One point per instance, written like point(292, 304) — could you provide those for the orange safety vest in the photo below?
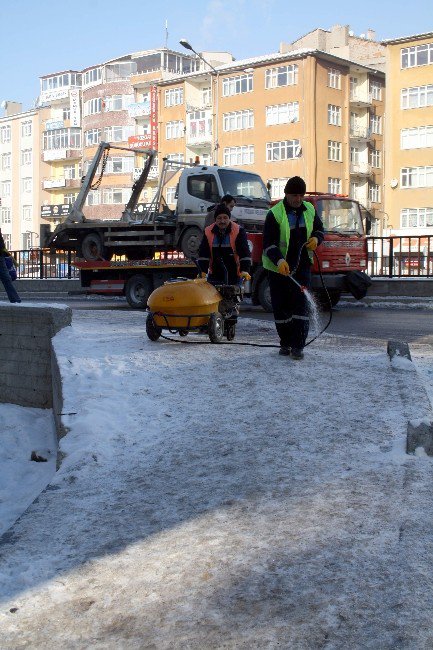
point(234, 232)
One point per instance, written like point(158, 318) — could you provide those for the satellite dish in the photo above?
point(394, 183)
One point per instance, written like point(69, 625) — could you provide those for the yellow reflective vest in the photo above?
point(279, 212)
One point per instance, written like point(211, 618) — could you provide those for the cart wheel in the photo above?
point(152, 330)
point(216, 327)
point(183, 332)
point(230, 331)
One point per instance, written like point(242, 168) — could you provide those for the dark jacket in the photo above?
point(3, 249)
point(223, 255)
point(298, 236)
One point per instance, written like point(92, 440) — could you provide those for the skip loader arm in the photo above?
point(76, 212)
point(128, 213)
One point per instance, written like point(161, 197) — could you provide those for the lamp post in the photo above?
point(215, 93)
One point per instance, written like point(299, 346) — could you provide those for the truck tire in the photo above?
point(137, 290)
point(264, 294)
point(323, 300)
point(191, 241)
point(92, 248)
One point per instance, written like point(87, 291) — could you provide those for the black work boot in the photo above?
point(297, 354)
point(284, 351)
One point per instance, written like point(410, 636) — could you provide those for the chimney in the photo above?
point(371, 34)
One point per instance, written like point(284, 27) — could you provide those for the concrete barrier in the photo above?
point(29, 372)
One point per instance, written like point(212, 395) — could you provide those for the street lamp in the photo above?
point(187, 45)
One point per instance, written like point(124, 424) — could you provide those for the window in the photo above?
point(71, 171)
point(376, 90)
point(92, 76)
point(416, 97)
point(61, 81)
point(6, 161)
point(170, 195)
point(113, 196)
point(93, 106)
point(277, 187)
point(412, 177)
point(286, 75)
point(174, 96)
point(26, 129)
point(27, 240)
point(204, 187)
point(239, 155)
point(118, 133)
point(27, 184)
point(94, 197)
point(419, 137)
point(177, 157)
point(334, 115)
point(117, 102)
point(206, 96)
point(334, 150)
point(353, 81)
point(374, 193)
point(282, 113)
point(68, 199)
point(66, 113)
point(376, 158)
point(354, 155)
point(238, 120)
point(8, 240)
point(62, 139)
point(242, 83)
point(376, 124)
point(6, 188)
point(5, 134)
point(334, 185)
point(91, 137)
point(120, 164)
point(200, 124)
point(334, 78)
point(283, 150)
point(6, 215)
point(417, 55)
point(27, 213)
point(416, 218)
point(175, 129)
point(26, 157)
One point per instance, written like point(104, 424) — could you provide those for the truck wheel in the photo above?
point(323, 300)
point(137, 290)
point(191, 241)
point(215, 327)
point(93, 249)
point(153, 331)
point(264, 294)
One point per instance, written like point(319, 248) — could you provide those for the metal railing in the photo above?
point(392, 257)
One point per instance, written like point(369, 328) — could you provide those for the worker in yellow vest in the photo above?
point(292, 231)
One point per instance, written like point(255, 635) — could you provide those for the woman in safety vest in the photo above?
point(224, 253)
point(292, 231)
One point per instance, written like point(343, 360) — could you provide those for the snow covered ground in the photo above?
point(224, 497)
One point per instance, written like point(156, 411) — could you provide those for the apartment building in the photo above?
point(300, 112)
point(21, 173)
point(409, 135)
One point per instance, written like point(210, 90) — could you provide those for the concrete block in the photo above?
point(399, 348)
point(420, 434)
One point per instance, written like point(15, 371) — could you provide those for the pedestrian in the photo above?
point(292, 231)
point(224, 252)
point(228, 201)
point(4, 273)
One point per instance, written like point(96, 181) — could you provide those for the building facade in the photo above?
point(409, 136)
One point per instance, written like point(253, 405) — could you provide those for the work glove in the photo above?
point(283, 267)
point(245, 276)
point(312, 243)
point(203, 275)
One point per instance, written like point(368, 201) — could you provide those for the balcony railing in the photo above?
point(360, 132)
point(361, 99)
point(361, 169)
point(60, 154)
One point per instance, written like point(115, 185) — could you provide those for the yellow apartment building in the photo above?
point(409, 135)
point(21, 173)
point(303, 112)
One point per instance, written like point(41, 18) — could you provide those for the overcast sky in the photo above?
point(39, 38)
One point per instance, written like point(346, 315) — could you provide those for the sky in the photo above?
point(220, 495)
point(40, 38)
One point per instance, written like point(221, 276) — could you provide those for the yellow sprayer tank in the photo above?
point(184, 303)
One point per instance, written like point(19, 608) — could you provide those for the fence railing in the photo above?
point(392, 257)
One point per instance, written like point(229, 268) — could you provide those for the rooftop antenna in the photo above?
point(166, 34)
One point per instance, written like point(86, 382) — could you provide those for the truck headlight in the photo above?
point(325, 264)
point(363, 263)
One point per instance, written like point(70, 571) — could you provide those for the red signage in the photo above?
point(140, 141)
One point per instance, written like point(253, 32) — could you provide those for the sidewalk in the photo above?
point(225, 497)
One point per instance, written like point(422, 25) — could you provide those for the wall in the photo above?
point(29, 375)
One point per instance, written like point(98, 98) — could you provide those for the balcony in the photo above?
point(360, 169)
point(56, 182)
point(360, 133)
point(360, 99)
point(199, 138)
point(139, 109)
point(60, 154)
point(153, 172)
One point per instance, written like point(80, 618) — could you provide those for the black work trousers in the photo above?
point(290, 307)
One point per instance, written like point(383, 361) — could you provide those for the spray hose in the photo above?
point(268, 345)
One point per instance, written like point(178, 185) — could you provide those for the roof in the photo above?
point(405, 39)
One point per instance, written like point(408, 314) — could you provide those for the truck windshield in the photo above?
point(243, 185)
point(340, 215)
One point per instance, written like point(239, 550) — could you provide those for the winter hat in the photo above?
point(221, 209)
point(295, 185)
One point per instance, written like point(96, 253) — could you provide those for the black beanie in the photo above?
point(221, 209)
point(295, 185)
